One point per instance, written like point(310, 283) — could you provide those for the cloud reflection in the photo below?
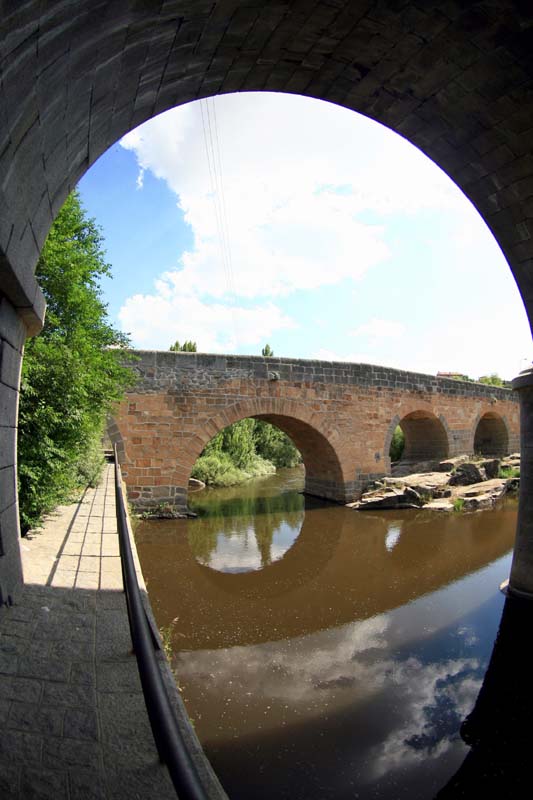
point(415, 704)
point(436, 697)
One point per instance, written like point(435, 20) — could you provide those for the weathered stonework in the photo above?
point(341, 417)
point(12, 337)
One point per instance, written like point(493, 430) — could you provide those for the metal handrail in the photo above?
point(165, 728)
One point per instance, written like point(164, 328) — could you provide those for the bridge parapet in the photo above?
point(340, 415)
point(163, 370)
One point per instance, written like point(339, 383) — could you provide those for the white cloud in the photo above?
point(294, 183)
point(239, 551)
point(157, 320)
point(310, 190)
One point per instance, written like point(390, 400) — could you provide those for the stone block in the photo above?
point(24, 690)
point(81, 723)
point(11, 326)
point(20, 747)
point(64, 694)
point(60, 753)
point(43, 719)
point(10, 364)
point(45, 784)
point(86, 785)
point(8, 438)
point(7, 487)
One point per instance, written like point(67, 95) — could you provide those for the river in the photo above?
point(323, 652)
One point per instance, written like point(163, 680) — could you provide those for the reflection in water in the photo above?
point(393, 537)
point(498, 729)
point(343, 668)
point(240, 533)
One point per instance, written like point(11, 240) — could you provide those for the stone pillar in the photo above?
point(22, 309)
point(521, 579)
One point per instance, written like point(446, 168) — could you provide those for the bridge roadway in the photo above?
point(341, 416)
point(72, 713)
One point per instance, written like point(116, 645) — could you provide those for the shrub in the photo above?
point(72, 373)
point(217, 469)
point(397, 444)
point(509, 472)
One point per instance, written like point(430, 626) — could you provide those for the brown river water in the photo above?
point(322, 652)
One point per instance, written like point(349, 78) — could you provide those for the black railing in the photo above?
point(165, 728)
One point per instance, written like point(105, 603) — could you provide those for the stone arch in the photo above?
point(324, 474)
point(72, 85)
point(491, 435)
point(426, 436)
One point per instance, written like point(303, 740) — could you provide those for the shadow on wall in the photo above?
point(491, 437)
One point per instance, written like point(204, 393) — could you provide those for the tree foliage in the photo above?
point(492, 380)
point(397, 444)
point(186, 347)
point(72, 373)
point(246, 449)
point(267, 351)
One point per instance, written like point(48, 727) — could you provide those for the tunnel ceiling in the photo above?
point(453, 78)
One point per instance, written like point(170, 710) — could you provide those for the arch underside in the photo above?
point(425, 437)
point(323, 472)
point(491, 437)
point(454, 79)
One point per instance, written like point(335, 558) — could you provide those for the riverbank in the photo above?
point(462, 483)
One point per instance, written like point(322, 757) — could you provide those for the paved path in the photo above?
point(73, 723)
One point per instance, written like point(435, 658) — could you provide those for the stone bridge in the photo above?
point(340, 416)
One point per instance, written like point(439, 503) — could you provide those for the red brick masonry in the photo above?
point(341, 417)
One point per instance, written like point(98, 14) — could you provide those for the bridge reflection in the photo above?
point(343, 566)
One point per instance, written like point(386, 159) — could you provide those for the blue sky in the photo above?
point(255, 218)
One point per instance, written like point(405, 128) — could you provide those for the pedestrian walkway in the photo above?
point(73, 723)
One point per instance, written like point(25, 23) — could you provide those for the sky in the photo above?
point(259, 217)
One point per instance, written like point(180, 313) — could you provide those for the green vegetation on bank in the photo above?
point(72, 373)
point(247, 449)
point(509, 472)
point(397, 444)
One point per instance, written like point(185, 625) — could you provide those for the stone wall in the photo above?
point(341, 416)
point(12, 337)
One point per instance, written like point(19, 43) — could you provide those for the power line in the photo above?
point(214, 165)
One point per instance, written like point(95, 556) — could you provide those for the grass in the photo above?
point(459, 504)
point(166, 638)
point(217, 469)
point(509, 472)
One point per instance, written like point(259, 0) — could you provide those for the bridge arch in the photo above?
point(427, 436)
point(491, 435)
point(324, 474)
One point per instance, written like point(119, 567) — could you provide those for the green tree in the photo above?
point(186, 347)
point(267, 351)
point(275, 446)
point(72, 373)
point(492, 380)
point(397, 444)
